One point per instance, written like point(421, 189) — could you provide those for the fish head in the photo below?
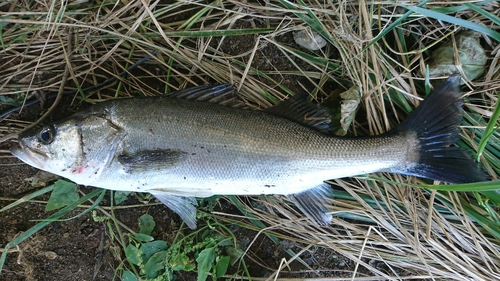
point(48, 148)
point(78, 148)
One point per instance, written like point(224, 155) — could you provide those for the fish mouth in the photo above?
point(29, 155)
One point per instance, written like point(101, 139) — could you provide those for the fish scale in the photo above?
point(252, 150)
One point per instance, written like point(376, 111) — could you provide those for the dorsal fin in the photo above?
point(220, 94)
point(299, 110)
point(296, 109)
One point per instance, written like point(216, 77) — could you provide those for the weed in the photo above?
point(209, 250)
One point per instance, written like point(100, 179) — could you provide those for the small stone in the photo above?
point(309, 39)
point(50, 255)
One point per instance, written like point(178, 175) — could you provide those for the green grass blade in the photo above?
point(463, 187)
point(189, 23)
point(28, 197)
point(251, 217)
point(460, 22)
point(491, 128)
point(92, 207)
point(392, 26)
point(484, 13)
point(310, 19)
point(455, 9)
point(316, 25)
point(493, 196)
point(490, 226)
point(315, 59)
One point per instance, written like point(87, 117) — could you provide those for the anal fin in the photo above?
point(185, 207)
point(314, 203)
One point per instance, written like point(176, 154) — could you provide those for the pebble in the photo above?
point(309, 39)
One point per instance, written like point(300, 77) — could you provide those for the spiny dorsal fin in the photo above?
point(223, 94)
point(296, 109)
point(299, 110)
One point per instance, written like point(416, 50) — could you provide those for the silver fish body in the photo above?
point(178, 149)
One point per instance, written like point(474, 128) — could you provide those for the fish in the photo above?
point(199, 142)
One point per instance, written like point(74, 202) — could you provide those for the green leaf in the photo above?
point(151, 248)
point(129, 276)
point(8, 101)
point(205, 262)
point(155, 264)
point(143, 237)
point(463, 187)
point(310, 19)
point(234, 253)
point(64, 193)
point(221, 267)
point(111, 231)
point(189, 267)
point(92, 207)
point(132, 254)
point(120, 196)
point(185, 262)
point(97, 218)
point(225, 241)
point(146, 224)
point(180, 262)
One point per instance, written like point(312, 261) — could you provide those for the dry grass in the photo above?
point(422, 233)
point(393, 232)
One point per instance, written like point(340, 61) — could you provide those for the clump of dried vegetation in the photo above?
point(414, 229)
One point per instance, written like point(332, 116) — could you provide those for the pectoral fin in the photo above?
point(151, 159)
point(314, 203)
point(183, 206)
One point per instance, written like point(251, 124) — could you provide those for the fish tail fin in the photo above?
point(436, 125)
point(314, 203)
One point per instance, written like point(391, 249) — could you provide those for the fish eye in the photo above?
point(46, 135)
